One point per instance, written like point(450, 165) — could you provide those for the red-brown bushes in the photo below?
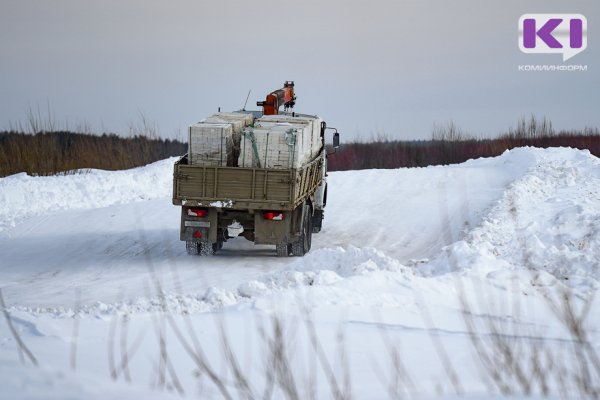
point(48, 153)
point(449, 145)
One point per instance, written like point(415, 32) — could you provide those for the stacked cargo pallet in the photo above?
point(209, 143)
point(313, 123)
point(278, 147)
point(216, 140)
point(281, 142)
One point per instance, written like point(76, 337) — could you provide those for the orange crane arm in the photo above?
point(281, 97)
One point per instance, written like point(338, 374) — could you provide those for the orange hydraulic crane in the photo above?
point(282, 97)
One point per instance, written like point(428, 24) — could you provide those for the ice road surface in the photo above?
point(401, 254)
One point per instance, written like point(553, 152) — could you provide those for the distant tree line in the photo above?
point(450, 145)
point(53, 152)
point(50, 153)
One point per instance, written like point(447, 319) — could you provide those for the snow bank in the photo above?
point(324, 267)
point(411, 213)
point(547, 222)
point(23, 196)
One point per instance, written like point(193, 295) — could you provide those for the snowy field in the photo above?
point(467, 280)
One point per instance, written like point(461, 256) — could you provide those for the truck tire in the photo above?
point(221, 239)
point(207, 249)
point(192, 248)
point(200, 248)
point(317, 221)
point(283, 249)
point(302, 245)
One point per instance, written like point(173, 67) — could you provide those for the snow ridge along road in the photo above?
point(394, 242)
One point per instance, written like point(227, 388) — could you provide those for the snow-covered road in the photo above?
point(74, 243)
point(500, 232)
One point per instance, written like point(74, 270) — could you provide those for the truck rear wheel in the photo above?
point(302, 245)
point(317, 221)
point(201, 248)
point(192, 248)
point(207, 249)
point(283, 249)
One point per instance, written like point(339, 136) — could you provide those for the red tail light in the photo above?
point(273, 216)
point(197, 212)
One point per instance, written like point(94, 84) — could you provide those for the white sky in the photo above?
point(381, 67)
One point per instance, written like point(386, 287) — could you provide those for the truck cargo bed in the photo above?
point(245, 188)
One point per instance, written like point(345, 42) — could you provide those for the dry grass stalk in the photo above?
point(22, 348)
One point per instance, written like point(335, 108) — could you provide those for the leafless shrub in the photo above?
point(448, 132)
point(144, 128)
point(165, 368)
point(53, 153)
point(449, 144)
point(241, 381)
point(585, 355)
point(522, 363)
point(532, 128)
point(337, 392)
point(439, 348)
point(75, 333)
point(43, 146)
point(21, 347)
point(399, 382)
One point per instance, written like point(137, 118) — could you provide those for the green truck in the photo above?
point(270, 206)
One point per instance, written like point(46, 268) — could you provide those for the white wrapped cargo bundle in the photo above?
point(236, 125)
point(279, 147)
point(302, 139)
point(238, 120)
point(210, 144)
point(317, 139)
point(287, 118)
point(313, 123)
point(246, 118)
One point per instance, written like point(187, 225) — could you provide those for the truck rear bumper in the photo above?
point(256, 227)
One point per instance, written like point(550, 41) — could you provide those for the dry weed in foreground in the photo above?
point(21, 347)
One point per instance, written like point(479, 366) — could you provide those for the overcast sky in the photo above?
point(379, 67)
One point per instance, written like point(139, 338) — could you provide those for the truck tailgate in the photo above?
point(244, 188)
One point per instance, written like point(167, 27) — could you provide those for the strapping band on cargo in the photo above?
point(250, 135)
point(291, 138)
